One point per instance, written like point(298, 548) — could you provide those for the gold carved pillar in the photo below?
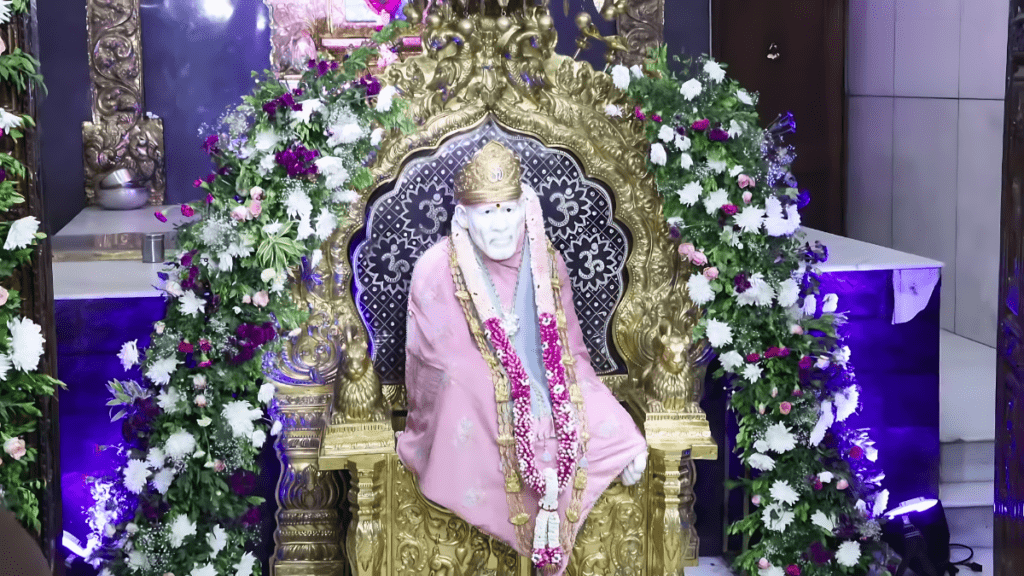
point(673, 538)
point(308, 535)
point(367, 541)
point(121, 134)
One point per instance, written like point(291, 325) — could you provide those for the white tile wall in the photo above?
point(983, 34)
point(924, 187)
point(979, 183)
point(927, 54)
point(870, 169)
point(870, 45)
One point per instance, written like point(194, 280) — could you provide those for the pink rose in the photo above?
point(763, 564)
point(775, 392)
point(842, 484)
point(246, 299)
point(261, 298)
point(256, 192)
point(785, 407)
point(240, 213)
point(200, 401)
point(760, 409)
point(797, 391)
point(730, 209)
point(699, 258)
point(199, 382)
point(686, 249)
point(3, 295)
point(756, 500)
point(219, 465)
point(711, 273)
point(796, 329)
point(15, 448)
point(255, 209)
point(747, 197)
point(745, 181)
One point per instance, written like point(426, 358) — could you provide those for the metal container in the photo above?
point(120, 178)
point(122, 198)
point(153, 248)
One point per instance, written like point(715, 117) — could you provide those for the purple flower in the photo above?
point(718, 135)
point(740, 283)
point(160, 216)
point(729, 209)
point(783, 124)
point(297, 161)
point(681, 130)
point(251, 518)
point(242, 482)
point(186, 259)
point(639, 113)
point(210, 145)
point(806, 362)
point(372, 85)
point(187, 211)
point(209, 198)
point(270, 108)
point(3, 174)
point(197, 182)
point(211, 177)
point(655, 117)
point(702, 125)
point(803, 199)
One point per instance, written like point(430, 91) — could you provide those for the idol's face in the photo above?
point(495, 227)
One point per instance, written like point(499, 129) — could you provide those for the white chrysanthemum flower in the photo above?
point(135, 474)
point(781, 491)
point(344, 196)
point(714, 70)
point(699, 288)
point(658, 154)
point(789, 293)
point(822, 520)
point(691, 89)
point(245, 565)
point(169, 399)
point(744, 97)
point(717, 166)
point(7, 120)
point(226, 262)
point(761, 446)
point(780, 440)
point(348, 133)
point(266, 165)
point(305, 229)
point(180, 444)
point(761, 462)
point(771, 571)
point(385, 98)
point(841, 355)
point(779, 222)
point(825, 477)
point(326, 224)
point(847, 402)
point(217, 540)
point(266, 392)
point(276, 428)
point(690, 193)
point(5, 366)
point(829, 303)
point(777, 518)
point(306, 112)
point(191, 305)
point(155, 458)
point(880, 504)
point(685, 161)
point(666, 133)
point(162, 480)
point(137, 560)
point(207, 570)
point(848, 554)
point(636, 71)
point(613, 111)
point(239, 415)
point(730, 360)
point(719, 333)
point(683, 143)
point(825, 420)
point(333, 169)
point(297, 204)
point(240, 249)
point(267, 140)
point(752, 372)
point(26, 343)
point(22, 233)
point(258, 438)
point(735, 129)
point(620, 76)
point(750, 219)
point(159, 372)
point(760, 292)
point(376, 136)
point(716, 200)
point(316, 257)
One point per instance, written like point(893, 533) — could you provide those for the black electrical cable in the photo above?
point(974, 566)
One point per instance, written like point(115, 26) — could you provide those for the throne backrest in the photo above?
point(411, 213)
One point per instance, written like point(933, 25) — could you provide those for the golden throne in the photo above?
point(488, 72)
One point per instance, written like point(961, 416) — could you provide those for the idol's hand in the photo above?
point(635, 470)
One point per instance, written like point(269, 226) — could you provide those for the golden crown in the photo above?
point(492, 175)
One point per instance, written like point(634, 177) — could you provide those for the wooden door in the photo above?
point(1009, 473)
point(793, 53)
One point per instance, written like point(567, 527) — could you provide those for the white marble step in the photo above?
point(968, 507)
point(967, 390)
point(967, 462)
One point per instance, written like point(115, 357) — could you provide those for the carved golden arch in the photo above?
point(474, 70)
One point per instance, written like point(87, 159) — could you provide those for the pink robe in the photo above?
point(450, 436)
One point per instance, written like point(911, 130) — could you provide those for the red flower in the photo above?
point(702, 124)
point(817, 484)
point(729, 209)
point(185, 348)
point(187, 211)
point(792, 570)
point(160, 216)
point(753, 357)
point(806, 362)
point(856, 452)
point(771, 352)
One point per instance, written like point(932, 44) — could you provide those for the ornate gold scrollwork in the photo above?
point(121, 134)
point(642, 24)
